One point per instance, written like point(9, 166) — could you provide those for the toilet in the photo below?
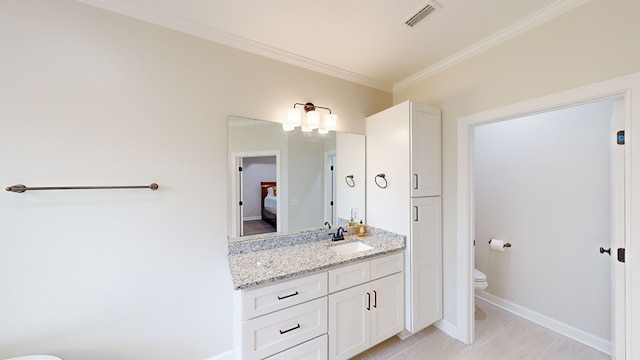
point(479, 280)
point(35, 357)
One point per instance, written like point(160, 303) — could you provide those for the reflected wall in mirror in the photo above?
point(289, 181)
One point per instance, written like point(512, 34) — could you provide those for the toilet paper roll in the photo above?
point(497, 245)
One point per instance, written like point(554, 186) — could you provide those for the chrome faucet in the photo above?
point(339, 235)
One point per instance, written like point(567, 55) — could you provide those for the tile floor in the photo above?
point(499, 335)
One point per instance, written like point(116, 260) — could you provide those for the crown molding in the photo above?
point(556, 9)
point(128, 8)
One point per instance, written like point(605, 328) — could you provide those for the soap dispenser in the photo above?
point(361, 230)
point(352, 223)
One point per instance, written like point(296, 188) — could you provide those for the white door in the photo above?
point(387, 307)
point(349, 322)
point(426, 263)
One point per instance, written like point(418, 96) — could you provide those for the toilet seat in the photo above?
point(479, 276)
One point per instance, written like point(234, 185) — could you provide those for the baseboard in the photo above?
point(571, 332)
point(443, 325)
point(224, 356)
point(404, 334)
point(250, 218)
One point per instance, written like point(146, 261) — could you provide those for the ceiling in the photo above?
point(365, 41)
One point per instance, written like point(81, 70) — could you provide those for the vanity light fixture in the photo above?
point(311, 120)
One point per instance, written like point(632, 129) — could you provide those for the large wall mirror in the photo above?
point(283, 181)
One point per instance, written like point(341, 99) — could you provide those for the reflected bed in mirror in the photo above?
point(281, 181)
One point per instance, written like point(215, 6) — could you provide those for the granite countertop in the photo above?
point(261, 261)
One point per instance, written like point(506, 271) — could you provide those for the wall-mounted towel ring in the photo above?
point(382, 176)
point(349, 180)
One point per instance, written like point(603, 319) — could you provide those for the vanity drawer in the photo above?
point(315, 349)
point(256, 302)
point(348, 276)
point(387, 265)
point(272, 333)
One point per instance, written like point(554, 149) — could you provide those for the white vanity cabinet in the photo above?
point(365, 305)
point(302, 318)
point(284, 320)
point(403, 143)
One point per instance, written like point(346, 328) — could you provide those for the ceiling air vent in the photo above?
point(422, 13)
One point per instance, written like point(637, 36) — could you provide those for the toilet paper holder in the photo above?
point(505, 244)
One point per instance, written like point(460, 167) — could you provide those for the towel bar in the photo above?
point(19, 188)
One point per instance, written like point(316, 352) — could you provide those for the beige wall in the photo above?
point(89, 97)
point(594, 42)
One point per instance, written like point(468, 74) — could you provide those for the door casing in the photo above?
point(627, 90)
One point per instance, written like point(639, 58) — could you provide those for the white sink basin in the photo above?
point(350, 248)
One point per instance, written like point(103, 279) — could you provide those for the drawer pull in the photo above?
point(375, 299)
point(287, 296)
point(282, 332)
point(369, 301)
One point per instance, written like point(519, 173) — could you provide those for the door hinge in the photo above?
point(331, 202)
point(240, 168)
point(240, 203)
point(331, 167)
point(620, 137)
point(621, 254)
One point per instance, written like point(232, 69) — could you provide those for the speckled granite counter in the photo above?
point(260, 260)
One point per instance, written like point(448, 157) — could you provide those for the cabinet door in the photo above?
point(349, 322)
point(387, 307)
point(425, 150)
point(425, 274)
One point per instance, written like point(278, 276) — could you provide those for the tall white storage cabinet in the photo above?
point(403, 143)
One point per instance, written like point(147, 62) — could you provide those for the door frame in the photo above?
point(234, 195)
point(330, 159)
point(626, 88)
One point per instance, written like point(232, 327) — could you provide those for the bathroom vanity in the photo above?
point(297, 294)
